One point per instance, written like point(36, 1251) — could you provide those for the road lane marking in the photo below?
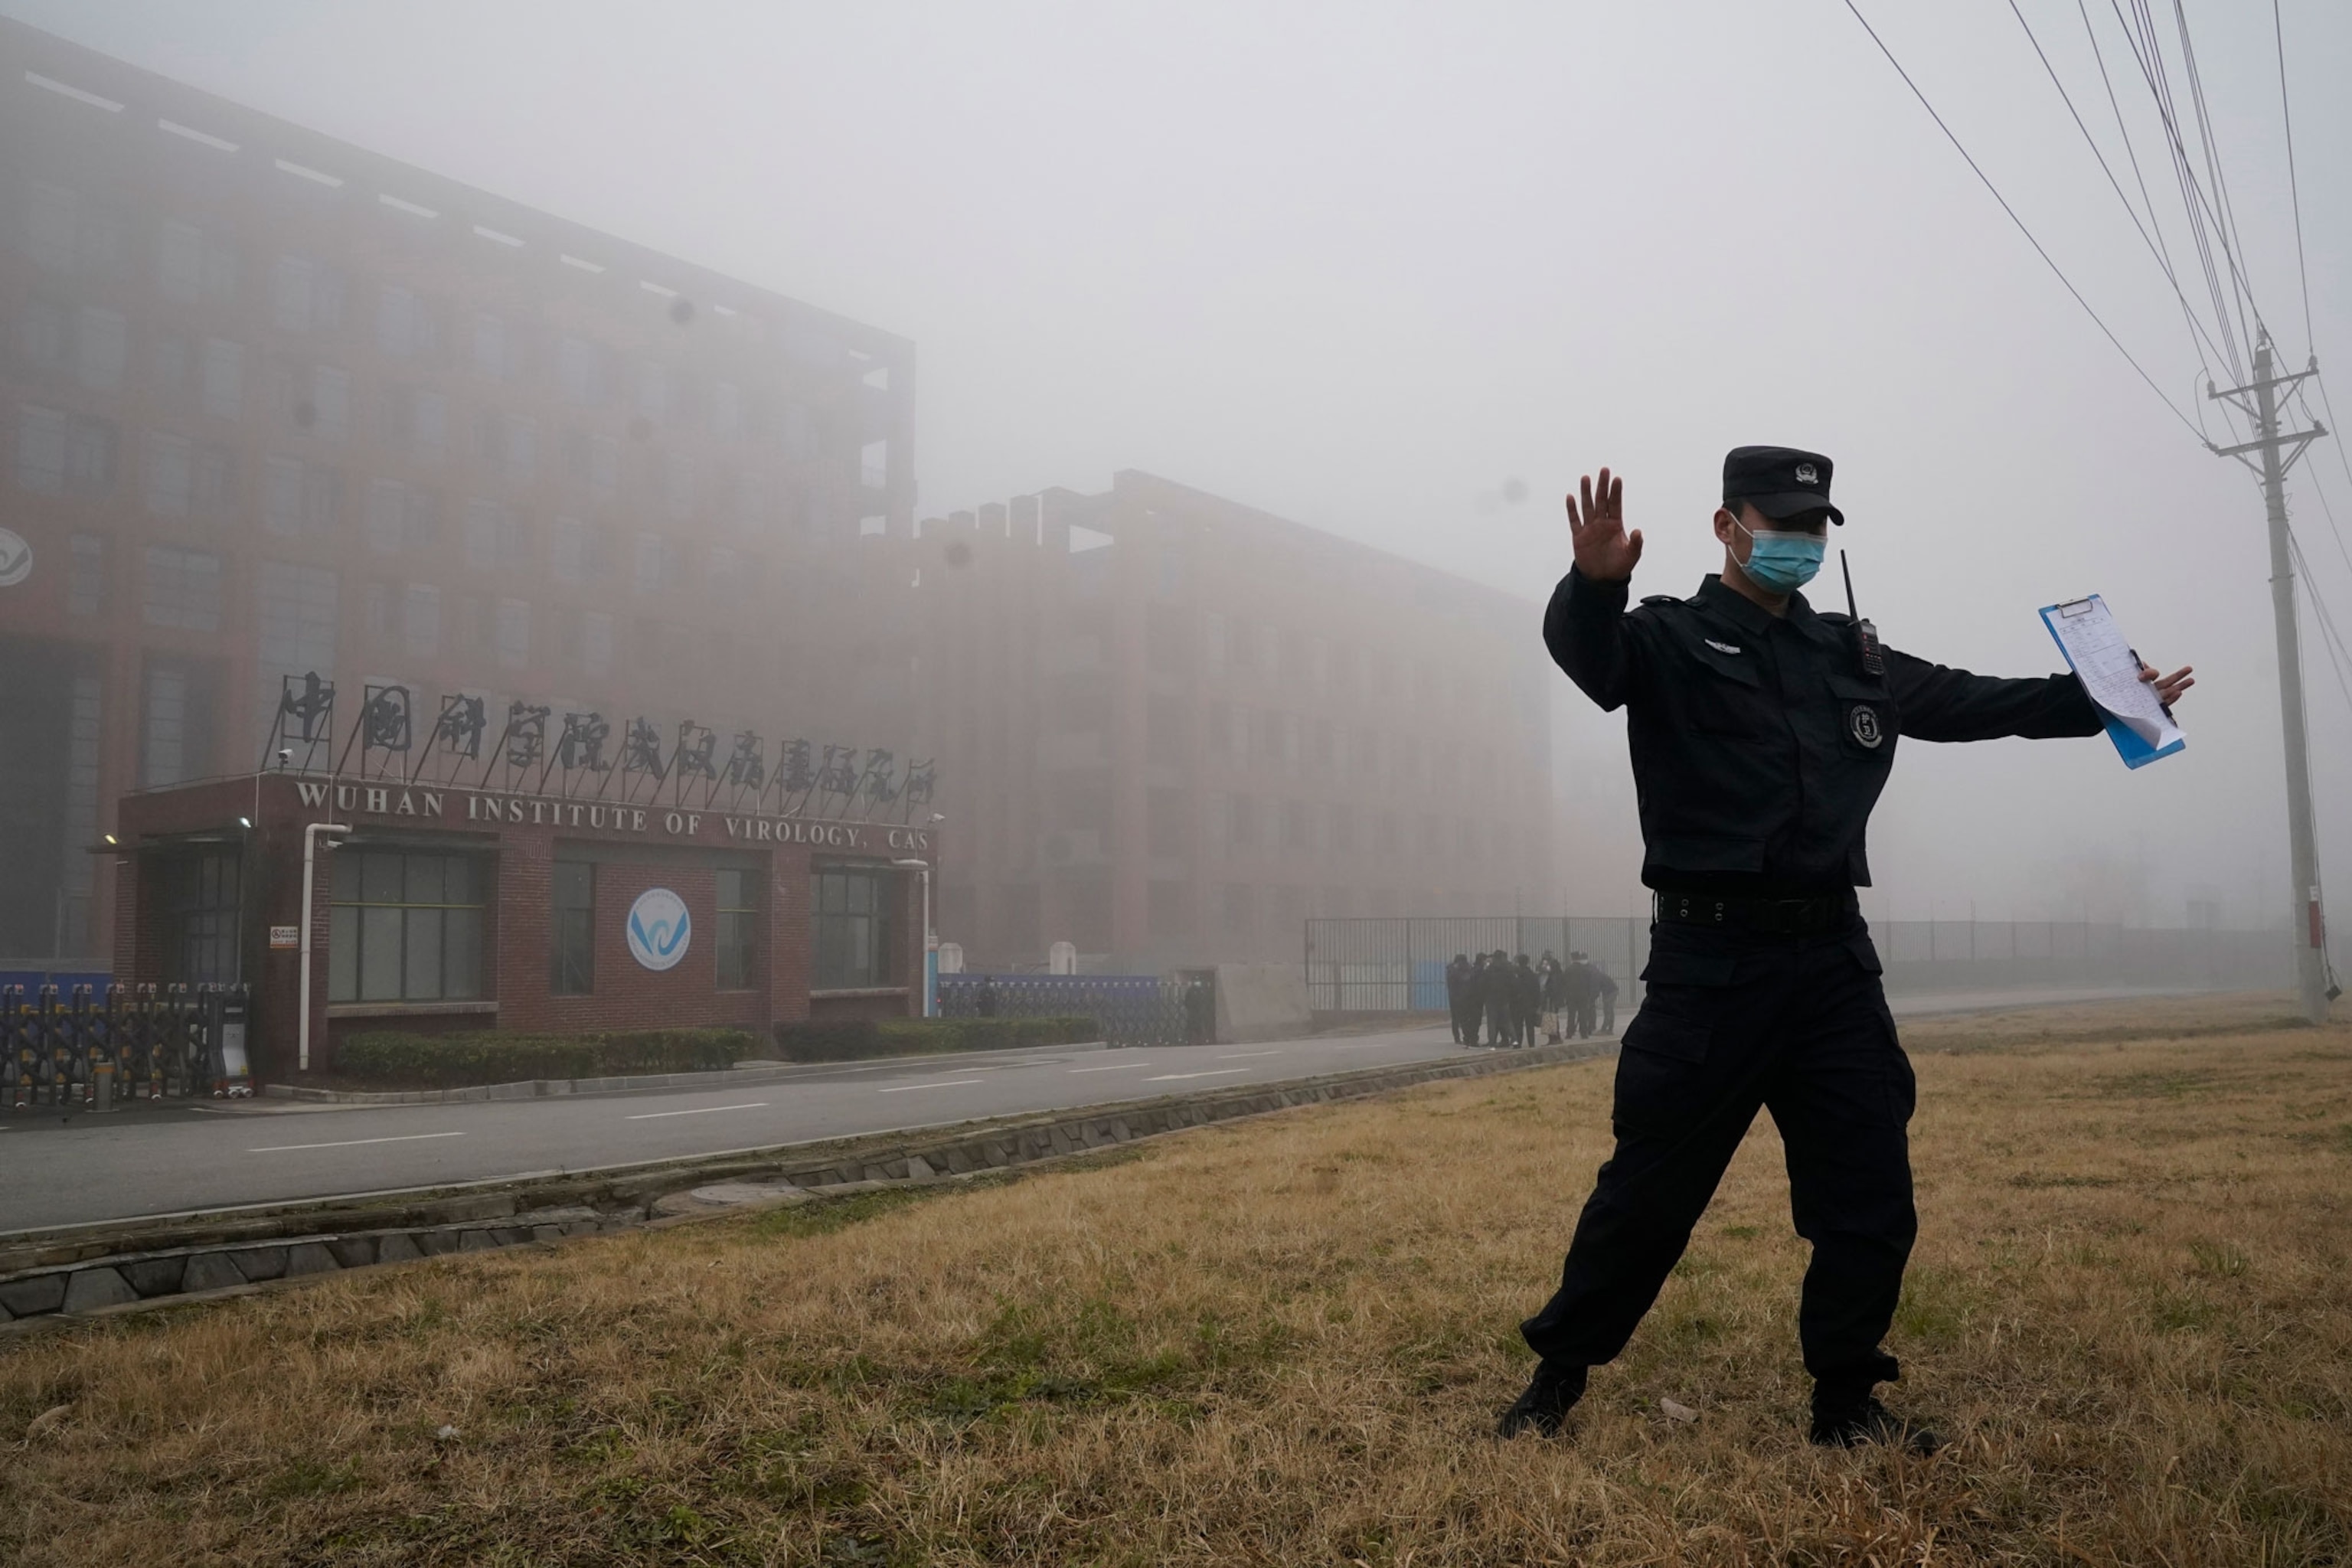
point(1213, 1072)
point(697, 1111)
point(951, 1083)
point(1236, 1056)
point(349, 1142)
point(1117, 1066)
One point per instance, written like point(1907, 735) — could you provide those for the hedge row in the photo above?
point(855, 1039)
point(461, 1061)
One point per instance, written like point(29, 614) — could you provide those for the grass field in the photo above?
point(1286, 1341)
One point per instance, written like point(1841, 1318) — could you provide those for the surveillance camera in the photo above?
point(285, 755)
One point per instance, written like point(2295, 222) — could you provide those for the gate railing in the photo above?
point(1398, 964)
point(140, 1043)
point(1132, 1009)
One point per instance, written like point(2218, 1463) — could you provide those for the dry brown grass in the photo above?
point(1284, 1341)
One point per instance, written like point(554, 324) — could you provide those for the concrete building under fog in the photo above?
point(1171, 728)
point(272, 404)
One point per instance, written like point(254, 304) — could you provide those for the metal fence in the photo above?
point(87, 1048)
point(1398, 965)
point(1132, 1009)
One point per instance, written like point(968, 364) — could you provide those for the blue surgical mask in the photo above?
point(1782, 563)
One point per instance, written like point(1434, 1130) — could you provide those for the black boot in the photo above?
point(1543, 1408)
point(1849, 1424)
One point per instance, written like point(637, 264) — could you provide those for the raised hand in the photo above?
point(2169, 688)
point(1605, 553)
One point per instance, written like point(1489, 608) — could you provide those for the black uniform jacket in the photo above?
point(1760, 743)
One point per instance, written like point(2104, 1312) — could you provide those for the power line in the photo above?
point(2162, 261)
point(2149, 56)
point(2286, 118)
point(2020, 222)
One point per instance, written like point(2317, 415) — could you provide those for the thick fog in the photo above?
point(1363, 266)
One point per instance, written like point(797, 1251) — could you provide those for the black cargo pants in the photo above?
point(1736, 1020)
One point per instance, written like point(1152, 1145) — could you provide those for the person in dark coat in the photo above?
point(1501, 999)
point(1527, 995)
point(1608, 988)
point(1458, 977)
point(1576, 990)
point(1762, 732)
point(1474, 1000)
point(1547, 971)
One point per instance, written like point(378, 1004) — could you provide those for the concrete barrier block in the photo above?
point(477, 1241)
point(259, 1263)
point(309, 1257)
point(91, 1289)
point(435, 1243)
point(155, 1275)
point(31, 1297)
point(547, 1233)
point(397, 1248)
point(211, 1271)
point(353, 1251)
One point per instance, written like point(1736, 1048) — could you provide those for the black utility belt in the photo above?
point(1777, 917)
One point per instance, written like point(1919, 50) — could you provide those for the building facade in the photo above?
point(439, 906)
point(271, 405)
point(1171, 728)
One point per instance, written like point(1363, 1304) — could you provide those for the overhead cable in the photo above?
point(2286, 118)
point(2020, 222)
point(2163, 261)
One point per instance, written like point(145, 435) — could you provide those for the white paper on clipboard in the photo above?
point(2109, 669)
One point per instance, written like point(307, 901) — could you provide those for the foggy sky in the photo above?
point(1360, 264)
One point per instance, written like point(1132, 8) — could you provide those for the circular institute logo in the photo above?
point(658, 929)
point(15, 557)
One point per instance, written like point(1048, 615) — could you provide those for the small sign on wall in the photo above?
point(285, 936)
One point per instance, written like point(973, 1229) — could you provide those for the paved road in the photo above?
point(60, 1170)
point(145, 1161)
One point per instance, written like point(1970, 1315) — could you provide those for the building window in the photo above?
point(183, 589)
point(513, 633)
point(223, 393)
point(572, 952)
point(595, 643)
point(215, 478)
point(86, 575)
point(851, 916)
point(171, 474)
point(420, 626)
point(101, 343)
point(738, 925)
point(405, 927)
point(199, 906)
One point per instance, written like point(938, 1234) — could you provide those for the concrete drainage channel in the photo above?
point(102, 1270)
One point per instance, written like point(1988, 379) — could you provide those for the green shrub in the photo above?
point(857, 1039)
point(461, 1061)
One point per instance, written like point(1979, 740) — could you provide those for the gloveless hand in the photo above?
point(1605, 553)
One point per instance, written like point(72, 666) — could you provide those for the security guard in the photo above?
point(1761, 734)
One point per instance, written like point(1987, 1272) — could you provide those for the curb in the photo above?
point(116, 1269)
point(551, 1088)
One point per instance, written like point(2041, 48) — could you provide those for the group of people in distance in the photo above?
point(1512, 999)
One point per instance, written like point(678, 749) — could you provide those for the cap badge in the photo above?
point(1808, 475)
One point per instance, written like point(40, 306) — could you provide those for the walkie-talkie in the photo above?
point(1865, 635)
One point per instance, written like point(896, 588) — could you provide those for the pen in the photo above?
point(2160, 702)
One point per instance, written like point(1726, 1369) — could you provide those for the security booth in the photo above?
point(350, 904)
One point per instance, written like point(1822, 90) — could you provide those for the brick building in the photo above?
point(272, 404)
point(1171, 728)
point(442, 906)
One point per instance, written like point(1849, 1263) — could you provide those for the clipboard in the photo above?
point(2141, 727)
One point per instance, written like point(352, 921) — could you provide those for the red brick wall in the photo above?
point(519, 919)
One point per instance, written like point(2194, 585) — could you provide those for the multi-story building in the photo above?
point(1171, 728)
point(271, 404)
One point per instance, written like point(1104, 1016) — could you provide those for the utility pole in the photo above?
point(2278, 452)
